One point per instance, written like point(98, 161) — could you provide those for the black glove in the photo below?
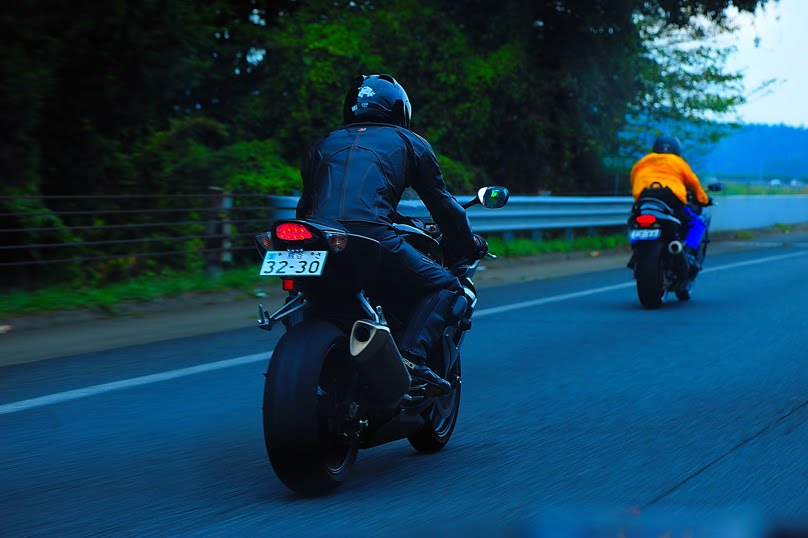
point(710, 201)
point(480, 247)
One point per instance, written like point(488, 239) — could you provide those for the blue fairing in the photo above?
point(695, 230)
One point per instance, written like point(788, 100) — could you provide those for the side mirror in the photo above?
point(493, 197)
point(715, 187)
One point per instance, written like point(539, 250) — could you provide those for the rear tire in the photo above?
point(649, 275)
point(304, 388)
point(440, 417)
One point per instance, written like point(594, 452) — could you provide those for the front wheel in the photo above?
point(683, 294)
point(649, 275)
point(306, 402)
point(441, 417)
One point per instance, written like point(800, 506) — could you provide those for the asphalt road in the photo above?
point(577, 404)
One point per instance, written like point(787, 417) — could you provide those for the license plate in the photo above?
point(641, 234)
point(293, 263)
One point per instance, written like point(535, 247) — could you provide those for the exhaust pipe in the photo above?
point(379, 361)
point(676, 248)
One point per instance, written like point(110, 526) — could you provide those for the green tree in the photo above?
point(590, 65)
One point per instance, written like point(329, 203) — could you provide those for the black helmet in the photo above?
point(667, 144)
point(377, 98)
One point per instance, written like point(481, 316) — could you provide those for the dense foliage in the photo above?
point(172, 96)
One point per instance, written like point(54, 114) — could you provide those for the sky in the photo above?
point(781, 29)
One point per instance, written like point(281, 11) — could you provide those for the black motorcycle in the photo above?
point(657, 237)
point(336, 381)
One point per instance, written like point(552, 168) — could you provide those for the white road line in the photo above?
point(769, 244)
point(545, 300)
point(754, 262)
point(575, 295)
point(67, 396)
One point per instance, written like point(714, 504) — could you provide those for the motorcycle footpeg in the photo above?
point(427, 390)
point(412, 399)
point(417, 391)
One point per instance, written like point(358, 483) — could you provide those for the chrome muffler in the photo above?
point(380, 363)
point(677, 249)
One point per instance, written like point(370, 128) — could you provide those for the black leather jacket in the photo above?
point(358, 173)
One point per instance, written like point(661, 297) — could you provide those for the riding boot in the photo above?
point(425, 381)
point(428, 320)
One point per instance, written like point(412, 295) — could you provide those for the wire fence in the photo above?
point(114, 236)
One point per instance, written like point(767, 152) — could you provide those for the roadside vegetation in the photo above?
point(735, 189)
point(531, 247)
point(147, 287)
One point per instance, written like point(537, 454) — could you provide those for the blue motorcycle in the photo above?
point(660, 260)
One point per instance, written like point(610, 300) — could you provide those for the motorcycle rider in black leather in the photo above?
point(357, 174)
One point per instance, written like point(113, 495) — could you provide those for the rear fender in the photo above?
point(348, 270)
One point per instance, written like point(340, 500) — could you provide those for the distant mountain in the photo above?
point(758, 152)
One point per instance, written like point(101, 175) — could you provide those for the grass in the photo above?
point(744, 235)
point(733, 189)
point(530, 247)
point(142, 288)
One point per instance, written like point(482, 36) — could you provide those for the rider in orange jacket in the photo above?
point(665, 167)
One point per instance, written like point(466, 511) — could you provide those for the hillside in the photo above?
point(759, 152)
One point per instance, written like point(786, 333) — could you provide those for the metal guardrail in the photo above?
point(537, 213)
point(527, 213)
point(523, 213)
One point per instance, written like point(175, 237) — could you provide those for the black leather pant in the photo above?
point(432, 289)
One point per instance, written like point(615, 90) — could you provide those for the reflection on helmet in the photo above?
point(667, 144)
point(377, 98)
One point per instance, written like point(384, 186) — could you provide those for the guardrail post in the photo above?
point(536, 235)
point(227, 229)
point(218, 244)
point(569, 235)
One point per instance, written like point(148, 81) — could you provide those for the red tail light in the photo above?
point(646, 220)
point(288, 284)
point(289, 231)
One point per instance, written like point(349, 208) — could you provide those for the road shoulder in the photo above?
point(59, 334)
